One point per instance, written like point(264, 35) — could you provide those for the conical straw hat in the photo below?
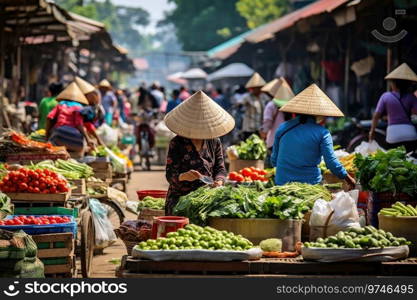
point(255, 81)
point(72, 92)
point(84, 86)
point(312, 101)
point(104, 83)
point(199, 117)
point(283, 94)
point(403, 72)
point(272, 87)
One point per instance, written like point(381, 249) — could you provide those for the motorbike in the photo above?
point(354, 132)
point(361, 134)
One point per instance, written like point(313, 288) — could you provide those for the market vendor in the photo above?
point(398, 104)
point(93, 113)
point(253, 104)
point(109, 100)
point(301, 142)
point(65, 125)
point(196, 151)
point(273, 117)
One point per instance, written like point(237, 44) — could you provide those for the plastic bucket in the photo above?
point(163, 225)
point(151, 193)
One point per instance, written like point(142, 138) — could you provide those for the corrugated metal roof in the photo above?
point(228, 46)
point(268, 30)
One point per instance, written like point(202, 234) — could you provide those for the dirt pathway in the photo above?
point(141, 180)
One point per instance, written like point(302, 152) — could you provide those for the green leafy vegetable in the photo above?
point(253, 148)
point(387, 172)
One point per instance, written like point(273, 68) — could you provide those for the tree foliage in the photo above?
point(259, 12)
point(122, 22)
point(203, 24)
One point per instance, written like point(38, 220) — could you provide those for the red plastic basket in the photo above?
point(163, 225)
point(152, 193)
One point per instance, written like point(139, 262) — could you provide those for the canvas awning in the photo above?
point(194, 73)
point(235, 70)
point(268, 30)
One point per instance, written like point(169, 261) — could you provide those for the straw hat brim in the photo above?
point(256, 81)
point(84, 86)
point(72, 92)
point(312, 101)
point(271, 87)
point(403, 72)
point(105, 83)
point(199, 117)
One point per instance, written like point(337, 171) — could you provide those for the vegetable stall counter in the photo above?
point(135, 268)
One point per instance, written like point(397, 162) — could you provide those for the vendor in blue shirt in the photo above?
point(301, 142)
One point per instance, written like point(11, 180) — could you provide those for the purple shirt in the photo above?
point(272, 119)
point(389, 105)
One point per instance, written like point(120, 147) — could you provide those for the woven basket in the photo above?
point(129, 246)
point(320, 231)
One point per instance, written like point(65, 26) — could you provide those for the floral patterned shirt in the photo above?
point(183, 157)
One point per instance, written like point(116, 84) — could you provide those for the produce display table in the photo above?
point(132, 267)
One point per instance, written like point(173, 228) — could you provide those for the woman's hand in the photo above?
point(350, 181)
point(217, 183)
point(191, 175)
point(371, 135)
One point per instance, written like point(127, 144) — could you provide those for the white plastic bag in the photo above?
point(345, 214)
point(102, 225)
point(119, 164)
point(108, 135)
point(345, 210)
point(366, 148)
point(118, 196)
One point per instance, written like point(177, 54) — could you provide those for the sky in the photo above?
point(155, 8)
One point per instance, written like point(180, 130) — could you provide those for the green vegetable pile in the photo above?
point(152, 203)
point(253, 148)
point(366, 237)
point(289, 201)
point(399, 209)
point(387, 172)
point(226, 201)
point(5, 206)
point(196, 237)
point(100, 151)
point(70, 169)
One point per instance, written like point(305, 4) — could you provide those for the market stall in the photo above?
point(339, 246)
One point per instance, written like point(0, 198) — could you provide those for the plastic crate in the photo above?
point(151, 193)
point(43, 229)
point(46, 211)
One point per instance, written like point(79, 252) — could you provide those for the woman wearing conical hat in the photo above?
point(93, 114)
point(273, 117)
point(196, 151)
point(301, 143)
point(398, 104)
point(253, 104)
point(65, 125)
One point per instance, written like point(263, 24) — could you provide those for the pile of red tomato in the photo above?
point(249, 175)
point(33, 181)
point(35, 220)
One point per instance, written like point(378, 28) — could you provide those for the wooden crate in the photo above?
point(57, 247)
point(37, 197)
point(147, 214)
point(104, 174)
point(26, 158)
point(80, 185)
